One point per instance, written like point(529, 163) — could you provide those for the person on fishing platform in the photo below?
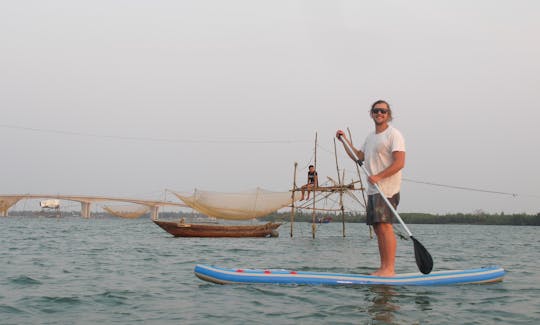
point(383, 155)
point(312, 181)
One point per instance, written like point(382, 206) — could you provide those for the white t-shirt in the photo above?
point(378, 149)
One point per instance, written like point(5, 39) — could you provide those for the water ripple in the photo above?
point(114, 271)
point(24, 280)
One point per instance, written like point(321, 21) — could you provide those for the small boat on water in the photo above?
point(239, 206)
point(326, 219)
point(181, 229)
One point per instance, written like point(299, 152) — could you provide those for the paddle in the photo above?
point(421, 255)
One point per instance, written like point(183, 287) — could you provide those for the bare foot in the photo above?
point(384, 273)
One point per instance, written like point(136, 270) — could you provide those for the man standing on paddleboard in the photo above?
point(383, 154)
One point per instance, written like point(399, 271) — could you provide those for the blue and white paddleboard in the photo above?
point(279, 276)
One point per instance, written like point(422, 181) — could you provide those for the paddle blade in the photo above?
point(422, 256)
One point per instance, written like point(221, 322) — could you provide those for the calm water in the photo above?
point(115, 271)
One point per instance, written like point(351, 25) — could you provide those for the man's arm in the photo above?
point(396, 166)
point(354, 153)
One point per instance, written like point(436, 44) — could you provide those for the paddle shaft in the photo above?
point(386, 200)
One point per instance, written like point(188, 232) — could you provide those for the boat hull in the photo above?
point(280, 276)
point(202, 230)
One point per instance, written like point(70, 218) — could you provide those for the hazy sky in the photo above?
point(127, 98)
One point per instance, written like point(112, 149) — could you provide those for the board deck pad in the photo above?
point(281, 276)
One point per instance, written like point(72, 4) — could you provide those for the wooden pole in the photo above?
point(154, 212)
point(292, 197)
point(361, 184)
point(341, 182)
point(313, 226)
point(341, 204)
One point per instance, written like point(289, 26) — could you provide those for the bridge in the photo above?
point(8, 200)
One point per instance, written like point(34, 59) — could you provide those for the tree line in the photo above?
point(520, 219)
point(478, 218)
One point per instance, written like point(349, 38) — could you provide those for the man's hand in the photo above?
point(374, 179)
point(340, 135)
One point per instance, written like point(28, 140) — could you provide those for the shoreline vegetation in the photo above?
point(520, 219)
point(477, 218)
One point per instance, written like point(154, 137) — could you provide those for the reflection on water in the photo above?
point(423, 303)
point(382, 305)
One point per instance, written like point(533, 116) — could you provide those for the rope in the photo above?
point(133, 138)
point(467, 188)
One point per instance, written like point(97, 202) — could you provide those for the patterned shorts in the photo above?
point(378, 211)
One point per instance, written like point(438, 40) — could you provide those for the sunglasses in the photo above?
point(379, 110)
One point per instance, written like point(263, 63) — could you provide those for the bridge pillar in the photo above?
point(154, 212)
point(85, 209)
point(6, 203)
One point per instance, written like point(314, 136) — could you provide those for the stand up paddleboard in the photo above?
point(225, 276)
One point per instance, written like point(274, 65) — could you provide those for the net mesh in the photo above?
point(127, 211)
point(236, 206)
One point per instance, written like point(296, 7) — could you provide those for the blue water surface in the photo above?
point(118, 271)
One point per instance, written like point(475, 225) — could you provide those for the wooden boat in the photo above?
point(180, 229)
